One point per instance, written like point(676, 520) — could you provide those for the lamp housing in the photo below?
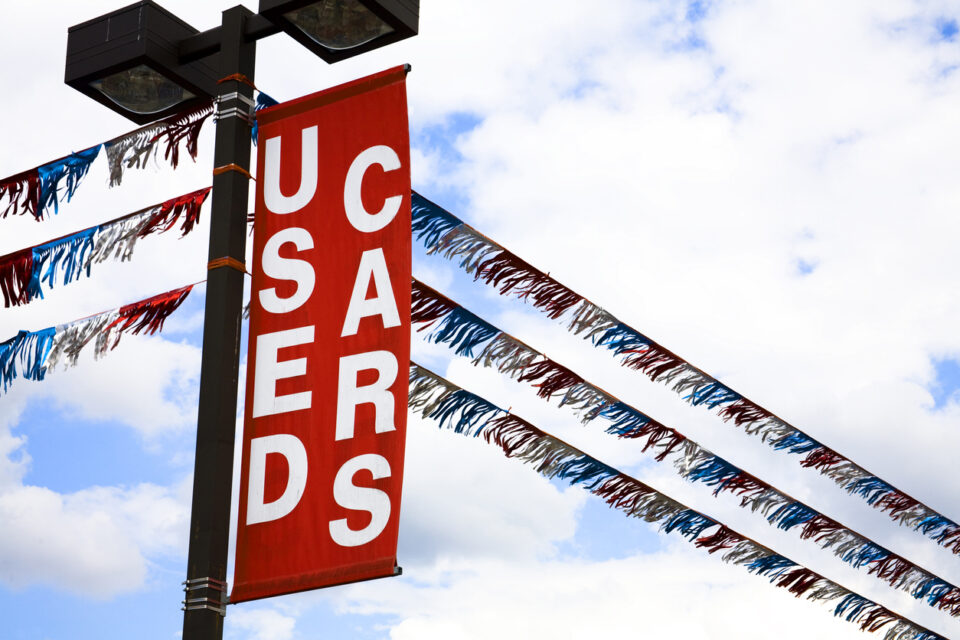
point(339, 29)
point(128, 60)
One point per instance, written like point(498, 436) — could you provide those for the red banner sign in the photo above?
point(326, 400)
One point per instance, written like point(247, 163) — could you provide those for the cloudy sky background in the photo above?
point(768, 189)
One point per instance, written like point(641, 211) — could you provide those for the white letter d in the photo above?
point(290, 448)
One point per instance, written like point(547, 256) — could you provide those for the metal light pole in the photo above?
point(146, 63)
point(219, 370)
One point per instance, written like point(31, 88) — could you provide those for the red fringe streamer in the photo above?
point(552, 297)
point(744, 485)
point(622, 492)
point(723, 538)
point(188, 206)
point(891, 568)
point(896, 503)
point(878, 618)
point(821, 459)
point(950, 602)
point(148, 315)
point(744, 412)
point(183, 126)
point(654, 361)
point(508, 272)
point(660, 434)
point(510, 433)
point(22, 191)
point(819, 527)
point(15, 271)
point(951, 539)
point(427, 306)
point(798, 581)
point(553, 377)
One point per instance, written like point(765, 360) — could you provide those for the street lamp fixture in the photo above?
point(145, 63)
point(129, 60)
point(339, 29)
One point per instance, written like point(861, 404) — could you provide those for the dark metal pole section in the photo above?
point(219, 370)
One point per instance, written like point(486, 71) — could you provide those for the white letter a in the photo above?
point(372, 265)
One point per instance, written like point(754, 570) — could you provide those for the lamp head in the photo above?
point(339, 29)
point(128, 61)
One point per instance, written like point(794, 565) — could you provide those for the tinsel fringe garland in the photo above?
point(443, 233)
point(39, 191)
point(31, 355)
point(463, 412)
point(71, 257)
point(464, 332)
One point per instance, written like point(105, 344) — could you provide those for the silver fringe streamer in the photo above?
point(585, 400)
point(71, 339)
point(467, 246)
point(507, 355)
point(119, 239)
point(590, 320)
point(131, 152)
point(427, 390)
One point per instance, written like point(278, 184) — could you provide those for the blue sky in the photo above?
point(768, 189)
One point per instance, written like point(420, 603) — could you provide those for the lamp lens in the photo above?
point(142, 90)
point(339, 24)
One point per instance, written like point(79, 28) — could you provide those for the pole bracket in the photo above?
point(242, 107)
point(219, 605)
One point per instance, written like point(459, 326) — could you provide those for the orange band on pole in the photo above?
point(239, 77)
point(232, 167)
point(227, 261)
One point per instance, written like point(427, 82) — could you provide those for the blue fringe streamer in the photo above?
point(713, 472)
point(263, 101)
point(25, 355)
point(852, 606)
point(33, 351)
point(430, 222)
point(791, 515)
point(69, 252)
point(74, 167)
point(472, 409)
point(712, 395)
point(622, 338)
point(932, 523)
point(871, 488)
point(864, 555)
point(796, 442)
point(7, 361)
point(582, 470)
point(933, 589)
point(689, 523)
point(626, 421)
point(463, 331)
point(773, 566)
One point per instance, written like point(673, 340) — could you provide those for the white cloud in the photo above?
point(649, 596)
point(259, 624)
point(98, 541)
point(93, 542)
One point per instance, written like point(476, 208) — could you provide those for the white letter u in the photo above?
point(275, 200)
